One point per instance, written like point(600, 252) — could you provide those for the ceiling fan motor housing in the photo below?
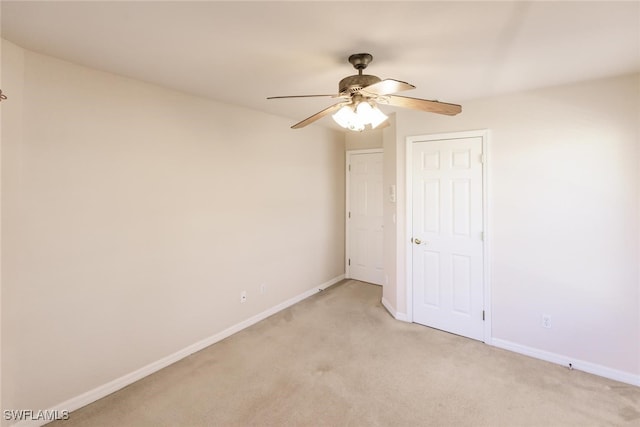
point(355, 83)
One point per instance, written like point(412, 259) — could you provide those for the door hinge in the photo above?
point(483, 315)
point(483, 158)
point(349, 214)
point(349, 261)
point(482, 236)
point(349, 168)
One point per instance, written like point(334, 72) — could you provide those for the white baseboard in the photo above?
point(581, 365)
point(396, 315)
point(125, 380)
point(402, 317)
point(327, 284)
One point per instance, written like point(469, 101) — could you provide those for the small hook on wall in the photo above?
point(2, 96)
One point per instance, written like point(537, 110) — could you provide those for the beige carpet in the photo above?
point(339, 359)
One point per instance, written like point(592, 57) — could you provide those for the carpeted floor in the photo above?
point(339, 359)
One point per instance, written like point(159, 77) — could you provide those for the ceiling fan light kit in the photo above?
point(362, 92)
point(357, 118)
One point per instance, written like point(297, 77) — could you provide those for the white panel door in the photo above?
point(447, 249)
point(365, 218)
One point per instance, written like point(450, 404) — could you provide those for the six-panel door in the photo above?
point(366, 220)
point(447, 250)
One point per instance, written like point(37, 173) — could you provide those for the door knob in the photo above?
point(418, 241)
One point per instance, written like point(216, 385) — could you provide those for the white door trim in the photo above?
point(347, 204)
point(484, 134)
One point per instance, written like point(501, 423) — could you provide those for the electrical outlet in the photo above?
point(546, 321)
point(243, 296)
point(263, 288)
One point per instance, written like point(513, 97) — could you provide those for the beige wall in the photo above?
point(564, 216)
point(363, 140)
point(133, 216)
point(391, 271)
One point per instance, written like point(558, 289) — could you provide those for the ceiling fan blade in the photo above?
point(318, 115)
point(387, 86)
point(422, 104)
point(301, 96)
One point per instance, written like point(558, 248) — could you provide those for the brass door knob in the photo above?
point(418, 241)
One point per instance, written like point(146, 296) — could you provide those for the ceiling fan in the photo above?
point(362, 92)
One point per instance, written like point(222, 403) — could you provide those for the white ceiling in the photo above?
point(242, 52)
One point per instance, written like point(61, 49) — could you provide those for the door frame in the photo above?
point(486, 252)
point(347, 204)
